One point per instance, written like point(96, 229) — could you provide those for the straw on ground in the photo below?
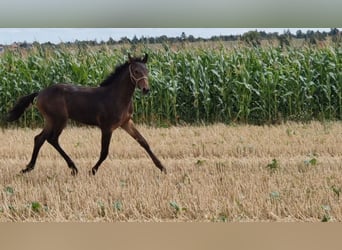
point(289, 172)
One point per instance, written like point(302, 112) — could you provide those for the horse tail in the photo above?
point(22, 104)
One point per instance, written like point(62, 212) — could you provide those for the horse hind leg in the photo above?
point(38, 142)
point(53, 140)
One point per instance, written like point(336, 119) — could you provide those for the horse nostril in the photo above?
point(145, 90)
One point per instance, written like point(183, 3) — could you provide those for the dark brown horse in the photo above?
point(108, 107)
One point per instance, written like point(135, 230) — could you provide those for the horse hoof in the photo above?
point(93, 171)
point(74, 172)
point(164, 170)
point(25, 170)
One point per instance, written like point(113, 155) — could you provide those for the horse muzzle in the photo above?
point(145, 90)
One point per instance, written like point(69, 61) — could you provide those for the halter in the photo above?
point(136, 80)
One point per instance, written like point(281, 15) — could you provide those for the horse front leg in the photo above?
point(105, 141)
point(131, 130)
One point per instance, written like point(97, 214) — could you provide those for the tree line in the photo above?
point(253, 38)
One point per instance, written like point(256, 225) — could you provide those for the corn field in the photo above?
point(241, 84)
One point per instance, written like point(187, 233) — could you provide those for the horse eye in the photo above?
point(136, 72)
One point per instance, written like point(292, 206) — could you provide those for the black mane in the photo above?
point(118, 71)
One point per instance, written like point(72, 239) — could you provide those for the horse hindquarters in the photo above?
point(51, 105)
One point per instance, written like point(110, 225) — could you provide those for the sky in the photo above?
point(57, 35)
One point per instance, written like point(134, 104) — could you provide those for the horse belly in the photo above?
point(86, 115)
point(82, 108)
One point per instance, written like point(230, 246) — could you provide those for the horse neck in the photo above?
point(122, 90)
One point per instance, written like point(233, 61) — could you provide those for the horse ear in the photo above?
point(129, 57)
point(145, 58)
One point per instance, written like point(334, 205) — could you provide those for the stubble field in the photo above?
point(217, 173)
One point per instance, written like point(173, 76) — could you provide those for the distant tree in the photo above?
point(299, 34)
point(144, 39)
point(314, 37)
point(334, 32)
point(124, 40)
point(111, 41)
point(285, 39)
point(215, 38)
point(273, 35)
point(152, 40)
point(319, 36)
point(92, 43)
point(36, 44)
point(162, 39)
point(252, 38)
point(336, 35)
point(263, 34)
point(310, 37)
point(183, 36)
point(191, 39)
point(24, 45)
point(135, 39)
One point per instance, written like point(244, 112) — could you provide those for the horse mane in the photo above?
point(118, 71)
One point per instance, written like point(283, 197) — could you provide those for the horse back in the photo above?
point(63, 101)
point(88, 105)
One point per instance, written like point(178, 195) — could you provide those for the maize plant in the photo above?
point(193, 85)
